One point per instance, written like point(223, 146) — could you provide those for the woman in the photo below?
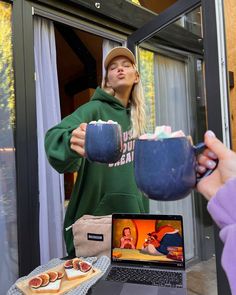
point(102, 189)
point(127, 241)
point(220, 189)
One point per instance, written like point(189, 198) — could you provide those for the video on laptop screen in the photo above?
point(153, 241)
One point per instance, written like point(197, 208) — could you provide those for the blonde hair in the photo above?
point(137, 107)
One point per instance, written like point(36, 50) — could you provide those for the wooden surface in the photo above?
point(66, 284)
point(201, 278)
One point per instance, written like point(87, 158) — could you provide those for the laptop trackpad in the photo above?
point(107, 287)
point(138, 289)
point(171, 291)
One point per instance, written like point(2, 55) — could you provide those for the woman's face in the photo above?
point(127, 232)
point(121, 74)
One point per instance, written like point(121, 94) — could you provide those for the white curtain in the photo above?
point(51, 184)
point(107, 45)
point(172, 108)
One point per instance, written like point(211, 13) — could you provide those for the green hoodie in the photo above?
point(100, 189)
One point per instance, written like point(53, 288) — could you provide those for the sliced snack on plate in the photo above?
point(59, 279)
point(49, 282)
point(76, 268)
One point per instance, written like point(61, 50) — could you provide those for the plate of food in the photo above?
point(60, 279)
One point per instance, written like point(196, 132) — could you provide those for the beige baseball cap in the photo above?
point(119, 51)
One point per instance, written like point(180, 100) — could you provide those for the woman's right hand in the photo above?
point(77, 140)
point(226, 168)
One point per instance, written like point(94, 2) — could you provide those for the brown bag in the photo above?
point(92, 236)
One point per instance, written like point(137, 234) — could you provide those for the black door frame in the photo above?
point(212, 83)
point(25, 139)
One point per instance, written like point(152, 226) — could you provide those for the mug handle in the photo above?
point(198, 147)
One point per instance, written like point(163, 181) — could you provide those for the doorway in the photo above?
point(78, 74)
point(67, 69)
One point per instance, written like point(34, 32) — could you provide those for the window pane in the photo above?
point(8, 219)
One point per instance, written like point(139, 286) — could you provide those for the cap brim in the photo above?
point(119, 51)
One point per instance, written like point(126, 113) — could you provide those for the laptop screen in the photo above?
point(147, 239)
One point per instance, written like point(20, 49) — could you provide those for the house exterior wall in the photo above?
point(230, 29)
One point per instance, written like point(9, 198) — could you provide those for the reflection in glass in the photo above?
point(192, 22)
point(178, 91)
point(8, 220)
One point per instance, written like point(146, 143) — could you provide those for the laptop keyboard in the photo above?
point(146, 276)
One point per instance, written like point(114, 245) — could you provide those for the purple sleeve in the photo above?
point(222, 208)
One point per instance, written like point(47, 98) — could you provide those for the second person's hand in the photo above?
point(225, 170)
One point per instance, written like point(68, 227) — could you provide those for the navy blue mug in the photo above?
point(103, 142)
point(165, 169)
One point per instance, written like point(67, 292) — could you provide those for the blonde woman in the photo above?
point(102, 189)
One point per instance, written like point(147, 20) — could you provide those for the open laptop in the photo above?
point(147, 256)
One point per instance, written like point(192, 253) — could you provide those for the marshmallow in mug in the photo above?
point(162, 132)
point(103, 122)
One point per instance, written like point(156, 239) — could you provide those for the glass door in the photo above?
point(177, 71)
point(168, 75)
